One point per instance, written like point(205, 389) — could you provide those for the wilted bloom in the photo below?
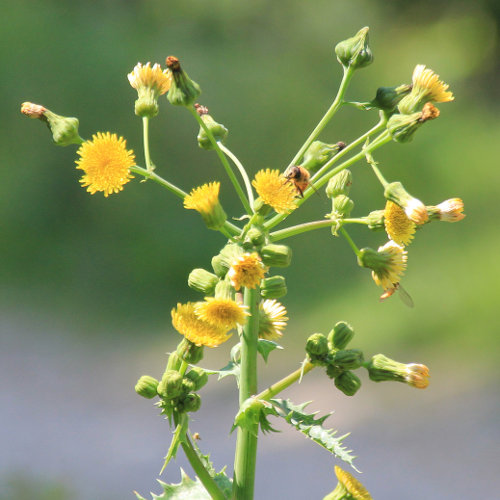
point(106, 162)
point(223, 313)
point(381, 368)
point(426, 87)
point(417, 375)
point(348, 488)
point(205, 200)
point(196, 330)
point(272, 319)
point(451, 210)
point(150, 83)
point(247, 271)
point(398, 226)
point(33, 110)
point(275, 190)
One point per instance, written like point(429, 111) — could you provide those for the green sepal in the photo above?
point(312, 427)
point(265, 347)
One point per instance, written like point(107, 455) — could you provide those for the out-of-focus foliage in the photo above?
point(268, 72)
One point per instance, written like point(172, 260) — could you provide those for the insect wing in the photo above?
point(405, 297)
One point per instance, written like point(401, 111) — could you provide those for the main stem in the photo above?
point(246, 442)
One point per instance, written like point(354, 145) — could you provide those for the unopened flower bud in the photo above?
point(273, 287)
point(187, 386)
point(348, 359)
point(183, 91)
point(414, 209)
point(198, 376)
point(64, 129)
point(333, 371)
point(276, 255)
point(382, 368)
point(342, 206)
point(146, 387)
point(224, 290)
point(189, 352)
point(256, 236)
point(341, 335)
point(375, 220)
point(202, 281)
point(402, 127)
point(318, 154)
point(355, 52)
point(171, 384)
point(192, 402)
point(317, 346)
point(387, 98)
point(218, 131)
point(339, 184)
point(348, 383)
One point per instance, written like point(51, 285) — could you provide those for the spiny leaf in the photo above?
point(312, 427)
point(178, 437)
point(265, 346)
point(248, 416)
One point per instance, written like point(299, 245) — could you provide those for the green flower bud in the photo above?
point(256, 236)
point(202, 281)
point(276, 255)
point(224, 290)
point(64, 129)
point(375, 220)
point(198, 376)
point(189, 352)
point(146, 387)
point(319, 153)
point(348, 383)
point(355, 52)
point(273, 287)
point(348, 359)
point(333, 371)
point(171, 384)
point(339, 184)
point(183, 91)
point(218, 131)
point(317, 345)
point(342, 206)
point(188, 386)
point(402, 127)
point(222, 262)
point(192, 403)
point(341, 335)
point(387, 98)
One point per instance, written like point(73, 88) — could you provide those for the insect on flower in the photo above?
point(403, 294)
point(299, 176)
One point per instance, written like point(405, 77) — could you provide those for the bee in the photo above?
point(300, 178)
point(403, 294)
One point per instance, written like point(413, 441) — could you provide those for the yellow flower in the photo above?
point(247, 270)
point(106, 163)
point(272, 319)
point(221, 313)
point(417, 375)
point(398, 226)
point(451, 210)
point(151, 77)
point(205, 200)
point(197, 331)
point(349, 486)
point(428, 85)
point(391, 266)
point(275, 190)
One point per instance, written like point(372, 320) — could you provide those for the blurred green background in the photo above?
point(87, 283)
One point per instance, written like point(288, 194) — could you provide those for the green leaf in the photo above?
point(248, 417)
point(188, 489)
point(312, 427)
point(266, 346)
point(178, 437)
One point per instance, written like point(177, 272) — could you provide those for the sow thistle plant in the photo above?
point(239, 289)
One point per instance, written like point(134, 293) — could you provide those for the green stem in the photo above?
point(223, 160)
point(227, 230)
point(338, 101)
point(310, 226)
point(285, 382)
point(378, 173)
point(350, 241)
point(246, 442)
point(197, 465)
point(242, 171)
point(145, 135)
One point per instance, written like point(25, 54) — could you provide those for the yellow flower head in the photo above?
point(349, 485)
point(106, 163)
point(275, 190)
point(247, 270)
point(451, 210)
point(272, 320)
point(221, 313)
point(205, 199)
point(417, 375)
point(428, 85)
point(392, 265)
point(151, 77)
point(398, 226)
point(199, 332)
